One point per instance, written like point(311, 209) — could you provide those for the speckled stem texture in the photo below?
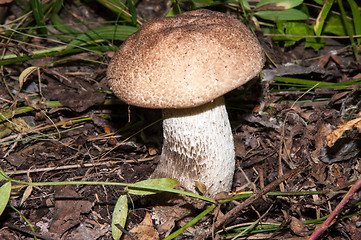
point(198, 146)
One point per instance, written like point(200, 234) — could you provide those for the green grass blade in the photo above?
point(129, 185)
point(38, 13)
point(114, 32)
point(119, 7)
point(58, 6)
point(132, 11)
point(349, 29)
point(6, 114)
point(190, 223)
point(176, 9)
point(3, 175)
point(29, 138)
point(297, 82)
point(58, 23)
point(321, 18)
point(61, 26)
point(62, 50)
point(356, 17)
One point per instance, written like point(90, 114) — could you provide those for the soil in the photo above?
point(275, 132)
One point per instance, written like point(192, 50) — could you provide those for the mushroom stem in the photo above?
point(198, 146)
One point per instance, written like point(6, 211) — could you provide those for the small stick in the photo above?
point(27, 232)
point(334, 213)
point(124, 231)
point(66, 167)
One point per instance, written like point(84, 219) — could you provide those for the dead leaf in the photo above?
point(165, 217)
point(323, 60)
point(336, 59)
point(337, 133)
point(68, 209)
point(25, 74)
point(239, 146)
point(27, 193)
point(339, 96)
point(78, 97)
point(344, 149)
point(298, 227)
point(86, 231)
point(145, 230)
point(357, 76)
point(152, 151)
point(324, 129)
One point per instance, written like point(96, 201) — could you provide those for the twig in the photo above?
point(124, 231)
point(27, 232)
point(335, 212)
point(74, 166)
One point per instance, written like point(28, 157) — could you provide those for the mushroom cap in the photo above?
point(184, 61)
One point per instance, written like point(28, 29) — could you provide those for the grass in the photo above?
point(153, 186)
point(297, 84)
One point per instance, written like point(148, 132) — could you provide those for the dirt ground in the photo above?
point(275, 132)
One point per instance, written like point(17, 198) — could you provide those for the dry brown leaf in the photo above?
point(145, 230)
point(68, 210)
point(28, 190)
point(25, 74)
point(27, 193)
point(152, 151)
point(298, 227)
point(337, 133)
point(89, 230)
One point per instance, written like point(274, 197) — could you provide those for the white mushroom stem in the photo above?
point(198, 146)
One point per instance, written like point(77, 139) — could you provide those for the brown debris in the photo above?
point(145, 230)
point(68, 207)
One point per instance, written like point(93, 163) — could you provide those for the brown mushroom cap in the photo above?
point(184, 61)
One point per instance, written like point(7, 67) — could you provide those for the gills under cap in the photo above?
point(184, 61)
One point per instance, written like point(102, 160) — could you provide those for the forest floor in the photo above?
point(277, 129)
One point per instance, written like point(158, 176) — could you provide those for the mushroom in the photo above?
point(184, 65)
